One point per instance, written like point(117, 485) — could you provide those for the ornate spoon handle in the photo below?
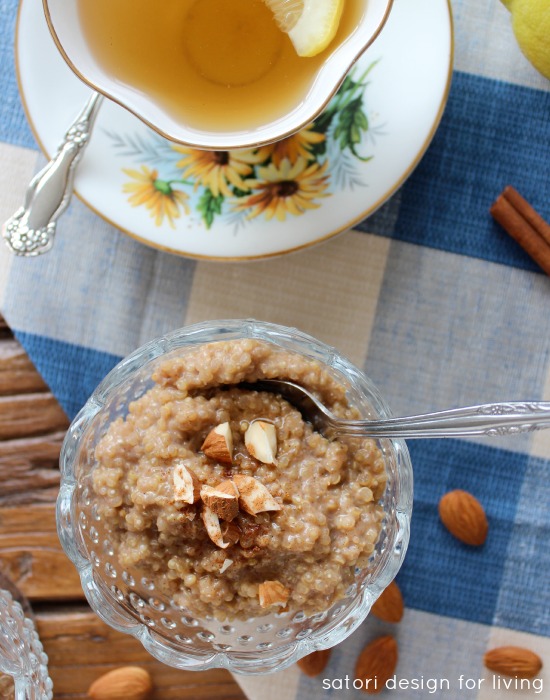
point(486, 419)
point(31, 230)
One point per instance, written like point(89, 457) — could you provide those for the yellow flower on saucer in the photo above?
point(287, 189)
point(295, 146)
point(156, 195)
point(217, 170)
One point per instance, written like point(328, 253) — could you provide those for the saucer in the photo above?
point(249, 204)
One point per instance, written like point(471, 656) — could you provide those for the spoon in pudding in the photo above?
point(489, 419)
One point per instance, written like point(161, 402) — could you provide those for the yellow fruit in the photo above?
point(310, 24)
point(531, 24)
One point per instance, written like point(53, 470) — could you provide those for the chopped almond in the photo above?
point(273, 593)
point(231, 532)
point(261, 442)
point(226, 564)
point(218, 444)
point(228, 487)
point(224, 505)
point(187, 486)
point(213, 528)
point(253, 495)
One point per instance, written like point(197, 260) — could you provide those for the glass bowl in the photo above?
point(22, 658)
point(131, 603)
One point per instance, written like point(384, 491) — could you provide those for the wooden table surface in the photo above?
point(80, 647)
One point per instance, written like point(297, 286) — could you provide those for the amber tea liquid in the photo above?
point(212, 64)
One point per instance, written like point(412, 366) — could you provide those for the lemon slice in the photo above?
point(310, 24)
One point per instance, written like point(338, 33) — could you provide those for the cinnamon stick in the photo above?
point(524, 224)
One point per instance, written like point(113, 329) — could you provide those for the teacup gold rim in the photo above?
point(265, 256)
point(219, 146)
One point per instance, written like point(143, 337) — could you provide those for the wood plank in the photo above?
point(35, 452)
point(29, 469)
point(81, 647)
point(30, 414)
point(17, 373)
point(32, 556)
point(29, 464)
point(31, 519)
point(5, 330)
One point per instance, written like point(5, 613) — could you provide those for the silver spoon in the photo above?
point(31, 230)
point(488, 419)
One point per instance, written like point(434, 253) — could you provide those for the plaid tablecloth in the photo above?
point(429, 295)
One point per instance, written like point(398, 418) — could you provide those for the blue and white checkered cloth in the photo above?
point(429, 295)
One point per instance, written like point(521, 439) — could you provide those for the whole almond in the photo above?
point(464, 517)
point(125, 683)
point(376, 664)
point(513, 661)
point(389, 606)
point(313, 664)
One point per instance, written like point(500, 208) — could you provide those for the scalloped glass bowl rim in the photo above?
point(244, 662)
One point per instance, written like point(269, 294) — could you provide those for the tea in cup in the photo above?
point(212, 74)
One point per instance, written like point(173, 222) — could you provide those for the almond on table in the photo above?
point(464, 517)
point(376, 664)
point(513, 661)
point(315, 663)
point(124, 683)
point(389, 607)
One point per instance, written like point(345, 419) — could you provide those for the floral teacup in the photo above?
point(200, 129)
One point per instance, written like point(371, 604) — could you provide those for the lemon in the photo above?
point(531, 24)
point(310, 24)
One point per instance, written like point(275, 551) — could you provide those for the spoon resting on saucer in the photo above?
point(487, 419)
point(31, 230)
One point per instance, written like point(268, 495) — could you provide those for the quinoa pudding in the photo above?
point(226, 498)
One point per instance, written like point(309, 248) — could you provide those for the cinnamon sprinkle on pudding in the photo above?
point(300, 523)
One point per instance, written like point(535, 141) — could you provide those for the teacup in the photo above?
point(257, 92)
